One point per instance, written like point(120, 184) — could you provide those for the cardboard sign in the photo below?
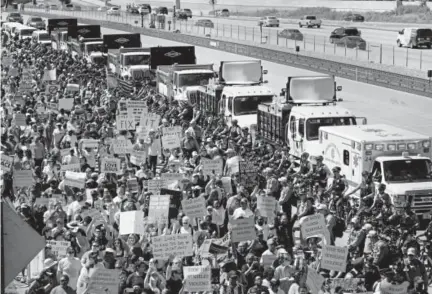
point(313, 226)
point(49, 75)
point(71, 167)
point(171, 179)
point(119, 146)
point(158, 208)
point(20, 120)
point(104, 281)
point(180, 245)
point(136, 108)
point(125, 123)
point(13, 72)
point(66, 103)
point(74, 179)
point(171, 137)
point(243, 229)
point(150, 121)
point(23, 178)
point(387, 288)
point(90, 143)
point(267, 260)
point(132, 185)
point(6, 163)
point(194, 207)
point(266, 206)
point(198, 278)
point(314, 280)
point(155, 186)
point(7, 60)
point(59, 248)
point(210, 167)
point(132, 222)
point(110, 165)
point(248, 174)
point(137, 157)
point(334, 258)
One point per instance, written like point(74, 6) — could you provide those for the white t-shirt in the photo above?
point(70, 266)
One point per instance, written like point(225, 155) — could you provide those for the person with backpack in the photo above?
point(330, 221)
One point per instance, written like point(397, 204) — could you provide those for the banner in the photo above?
point(65, 103)
point(159, 208)
point(209, 166)
point(125, 123)
point(179, 245)
point(23, 178)
point(314, 280)
point(313, 226)
point(354, 285)
point(132, 222)
point(243, 229)
point(6, 163)
point(137, 157)
point(198, 278)
point(194, 207)
point(155, 186)
point(266, 206)
point(104, 281)
point(71, 167)
point(90, 143)
point(248, 174)
point(59, 248)
point(73, 179)
point(171, 137)
point(334, 258)
point(110, 165)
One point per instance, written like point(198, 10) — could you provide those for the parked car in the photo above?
point(185, 11)
point(269, 21)
point(77, 8)
point(291, 34)
point(222, 13)
point(113, 11)
point(310, 21)
point(181, 15)
point(53, 7)
point(351, 42)
point(344, 32)
point(132, 9)
point(36, 22)
point(415, 37)
point(14, 17)
point(102, 8)
point(69, 7)
point(162, 10)
point(144, 8)
point(354, 17)
point(204, 23)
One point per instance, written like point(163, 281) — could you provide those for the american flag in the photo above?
point(141, 92)
point(125, 86)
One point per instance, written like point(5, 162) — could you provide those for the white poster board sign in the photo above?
point(125, 123)
point(59, 248)
point(180, 245)
point(210, 167)
point(159, 208)
point(103, 281)
point(198, 278)
point(110, 165)
point(132, 222)
point(243, 229)
point(334, 258)
point(74, 179)
point(266, 206)
point(171, 137)
point(194, 207)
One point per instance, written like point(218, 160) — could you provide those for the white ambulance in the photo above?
point(398, 158)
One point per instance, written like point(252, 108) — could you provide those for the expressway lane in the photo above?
point(316, 40)
point(379, 105)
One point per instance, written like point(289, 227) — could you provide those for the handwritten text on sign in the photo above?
point(23, 178)
point(312, 226)
point(125, 123)
point(243, 230)
point(178, 245)
point(150, 120)
point(266, 206)
point(104, 281)
point(110, 165)
point(334, 258)
point(197, 278)
point(159, 208)
point(194, 207)
point(155, 186)
point(171, 137)
point(59, 248)
point(136, 109)
point(6, 163)
point(209, 166)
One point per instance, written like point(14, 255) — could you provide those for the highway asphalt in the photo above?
point(381, 44)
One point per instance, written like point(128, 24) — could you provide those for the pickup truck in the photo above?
point(309, 21)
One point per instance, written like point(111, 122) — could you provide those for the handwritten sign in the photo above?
point(171, 137)
point(158, 208)
point(110, 165)
point(248, 174)
point(119, 146)
point(90, 143)
point(71, 167)
point(20, 120)
point(125, 123)
point(137, 157)
point(136, 108)
point(314, 281)
point(266, 206)
point(194, 207)
point(334, 258)
point(210, 167)
point(23, 178)
point(198, 278)
point(313, 226)
point(180, 245)
point(150, 120)
point(6, 163)
point(104, 281)
point(155, 186)
point(74, 179)
point(132, 185)
point(171, 179)
point(132, 222)
point(59, 248)
point(243, 230)
point(65, 103)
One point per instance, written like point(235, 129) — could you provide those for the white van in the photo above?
point(415, 37)
point(24, 32)
point(10, 27)
point(41, 37)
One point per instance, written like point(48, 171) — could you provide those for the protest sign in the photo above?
point(132, 222)
point(387, 288)
point(74, 179)
point(194, 207)
point(71, 167)
point(103, 280)
point(158, 208)
point(23, 178)
point(155, 186)
point(20, 120)
point(353, 285)
point(137, 157)
point(6, 163)
point(13, 72)
point(314, 280)
point(210, 167)
point(59, 248)
point(149, 120)
point(19, 99)
point(266, 206)
point(132, 185)
point(171, 137)
point(198, 278)
point(227, 185)
point(25, 87)
point(313, 226)
point(52, 89)
point(90, 143)
point(65, 103)
point(125, 123)
point(180, 245)
point(135, 109)
point(49, 75)
point(110, 165)
point(334, 258)
point(7, 60)
point(121, 146)
point(171, 179)
point(248, 174)
point(267, 260)
point(243, 229)
point(142, 133)
point(95, 214)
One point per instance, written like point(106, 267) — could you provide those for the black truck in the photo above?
point(172, 55)
point(58, 30)
point(85, 41)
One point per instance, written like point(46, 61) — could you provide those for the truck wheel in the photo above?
point(428, 46)
point(300, 25)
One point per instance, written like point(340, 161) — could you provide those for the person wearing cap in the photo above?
point(70, 266)
point(339, 184)
point(330, 220)
point(366, 186)
point(409, 220)
point(321, 174)
point(416, 269)
point(357, 238)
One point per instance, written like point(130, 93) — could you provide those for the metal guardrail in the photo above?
point(380, 78)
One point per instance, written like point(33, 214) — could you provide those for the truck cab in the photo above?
point(236, 93)
point(294, 120)
point(134, 62)
point(41, 37)
point(398, 158)
point(58, 30)
point(85, 40)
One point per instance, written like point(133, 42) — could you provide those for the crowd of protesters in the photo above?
point(385, 250)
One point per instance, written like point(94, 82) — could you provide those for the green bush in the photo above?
point(405, 14)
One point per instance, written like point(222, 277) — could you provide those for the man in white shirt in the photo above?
point(71, 158)
point(153, 150)
point(75, 206)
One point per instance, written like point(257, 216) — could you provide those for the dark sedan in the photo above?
point(14, 17)
point(351, 42)
point(344, 32)
point(207, 23)
point(291, 34)
point(354, 18)
point(36, 22)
